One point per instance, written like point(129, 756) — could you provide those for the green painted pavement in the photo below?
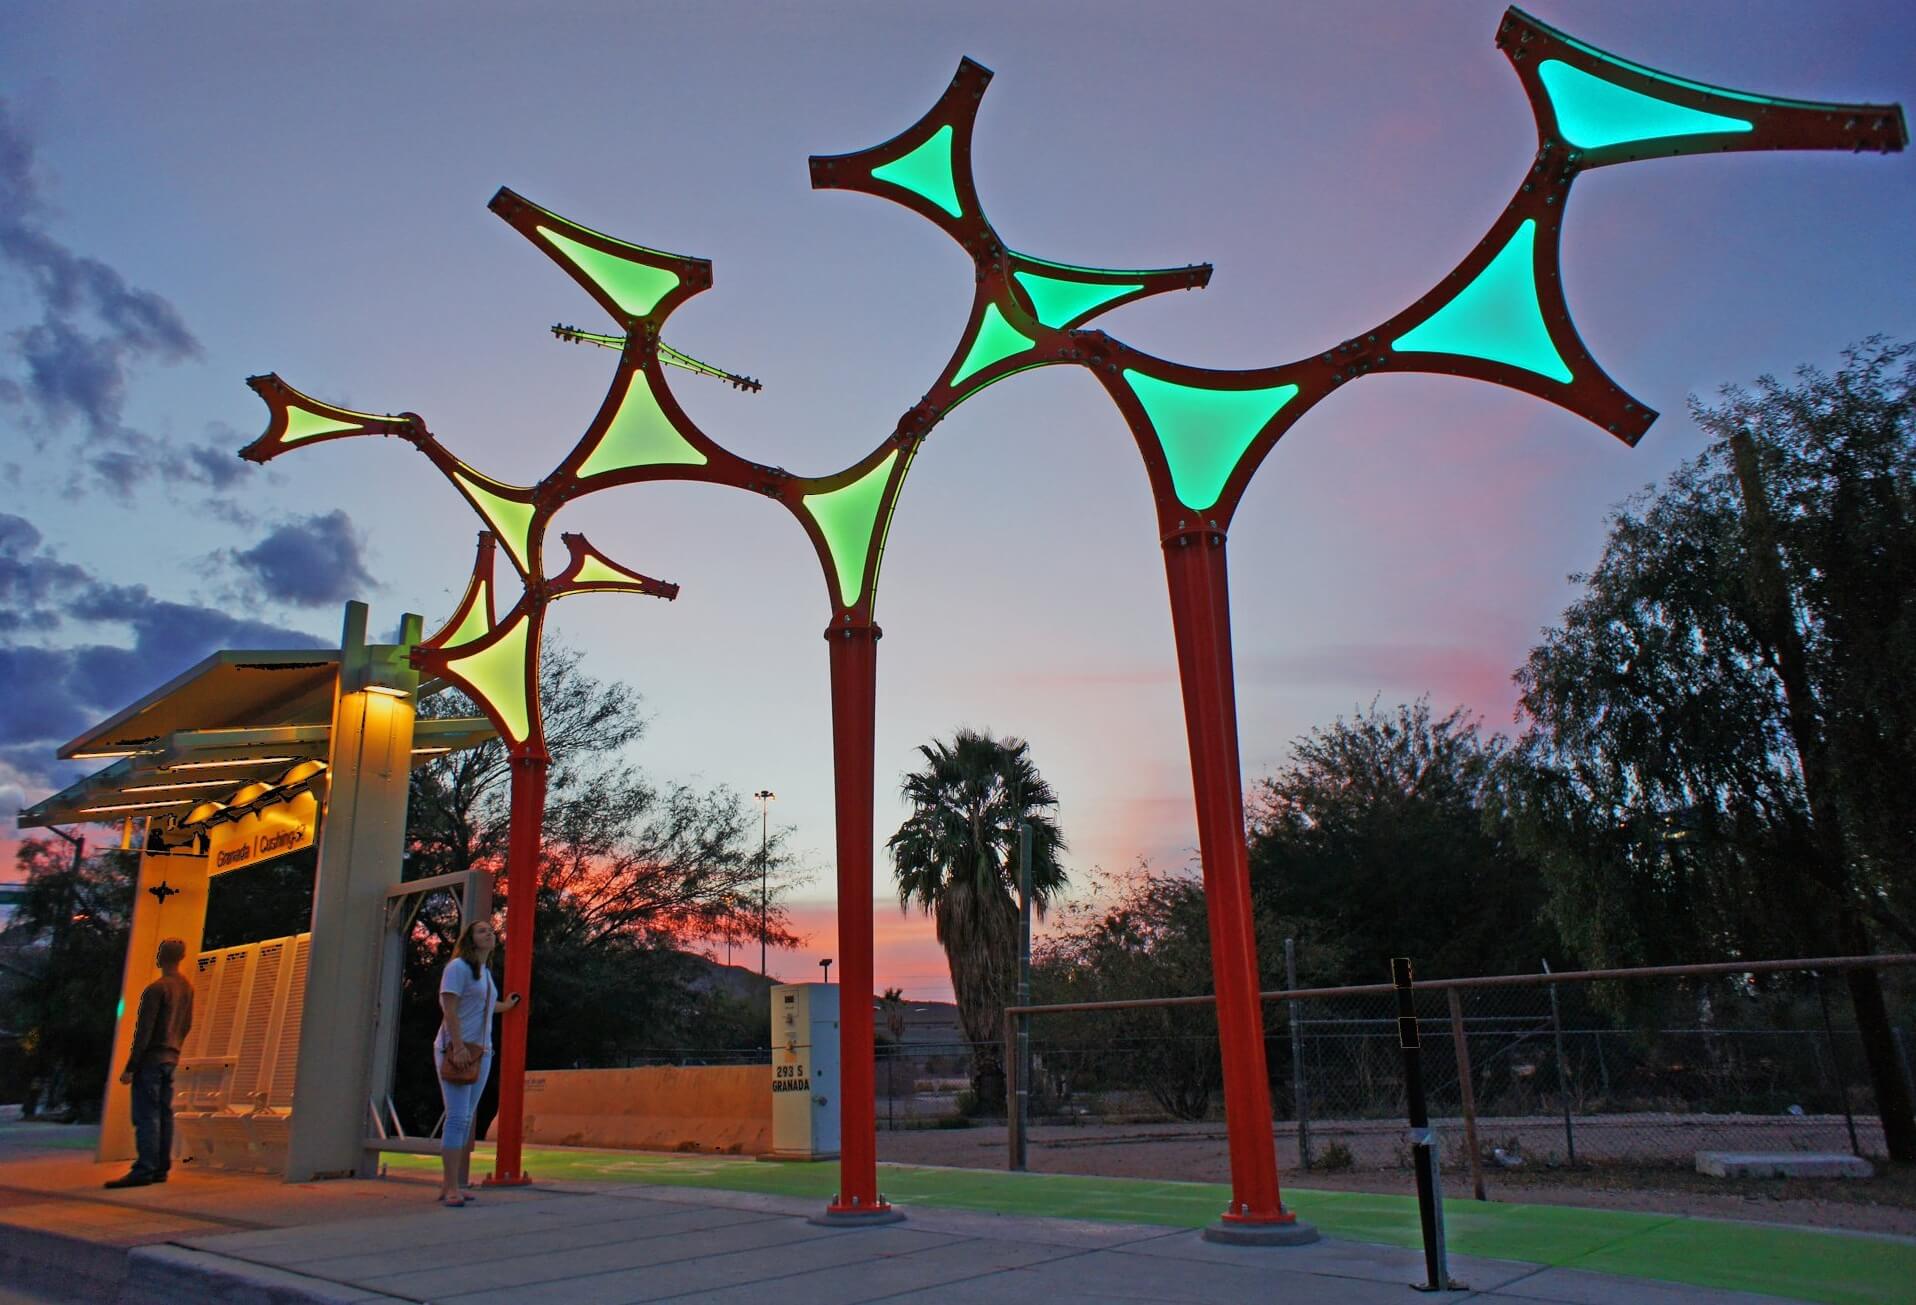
point(1839, 1268)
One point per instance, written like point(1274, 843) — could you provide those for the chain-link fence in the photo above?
point(1631, 1070)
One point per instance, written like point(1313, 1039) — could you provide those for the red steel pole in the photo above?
point(854, 658)
point(1201, 621)
point(522, 896)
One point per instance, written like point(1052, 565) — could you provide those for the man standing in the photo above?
point(166, 1013)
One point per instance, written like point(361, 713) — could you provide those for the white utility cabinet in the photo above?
point(804, 1071)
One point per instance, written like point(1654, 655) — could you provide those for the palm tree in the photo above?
point(956, 856)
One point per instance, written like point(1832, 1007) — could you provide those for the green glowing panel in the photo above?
point(1057, 302)
point(1204, 432)
point(635, 287)
point(595, 572)
point(498, 675)
point(510, 519)
point(997, 339)
point(640, 436)
point(473, 625)
point(846, 517)
point(304, 424)
point(926, 171)
point(1592, 112)
point(1496, 317)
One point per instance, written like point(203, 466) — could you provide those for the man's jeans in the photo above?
point(153, 1119)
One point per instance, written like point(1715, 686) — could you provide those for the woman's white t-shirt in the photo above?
point(476, 996)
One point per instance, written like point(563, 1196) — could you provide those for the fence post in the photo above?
point(1423, 1138)
point(1467, 1088)
point(1014, 1121)
point(1836, 1066)
point(1298, 1099)
point(1901, 1037)
point(1563, 1079)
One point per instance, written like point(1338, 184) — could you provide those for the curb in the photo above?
point(166, 1275)
point(55, 1264)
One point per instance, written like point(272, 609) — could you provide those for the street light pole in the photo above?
point(765, 798)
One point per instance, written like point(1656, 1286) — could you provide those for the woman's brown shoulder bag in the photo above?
point(460, 1064)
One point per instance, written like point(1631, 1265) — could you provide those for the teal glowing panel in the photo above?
point(1056, 302)
point(926, 171)
point(1592, 113)
point(1496, 317)
point(997, 339)
point(1204, 433)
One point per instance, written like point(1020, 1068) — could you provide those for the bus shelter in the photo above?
point(240, 766)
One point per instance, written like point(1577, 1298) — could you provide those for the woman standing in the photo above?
point(462, 1053)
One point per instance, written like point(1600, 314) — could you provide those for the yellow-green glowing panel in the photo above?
point(1204, 432)
point(1058, 302)
point(510, 519)
point(640, 436)
point(474, 624)
point(926, 171)
point(498, 675)
point(593, 571)
point(1592, 112)
point(997, 339)
point(845, 517)
point(635, 287)
point(304, 424)
point(1496, 317)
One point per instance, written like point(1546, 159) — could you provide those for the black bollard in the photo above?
point(1423, 1139)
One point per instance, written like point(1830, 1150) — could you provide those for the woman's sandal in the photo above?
point(452, 1202)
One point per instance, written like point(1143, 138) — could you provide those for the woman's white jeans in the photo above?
point(461, 1100)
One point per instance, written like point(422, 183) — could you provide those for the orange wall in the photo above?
point(726, 1108)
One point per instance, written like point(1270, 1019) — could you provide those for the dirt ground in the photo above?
point(1196, 1153)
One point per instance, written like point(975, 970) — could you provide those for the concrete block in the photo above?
point(1782, 1164)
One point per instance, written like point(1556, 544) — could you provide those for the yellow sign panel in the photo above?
point(268, 833)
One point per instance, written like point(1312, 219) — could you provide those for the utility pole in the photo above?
point(765, 797)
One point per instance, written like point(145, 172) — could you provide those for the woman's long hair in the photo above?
point(465, 949)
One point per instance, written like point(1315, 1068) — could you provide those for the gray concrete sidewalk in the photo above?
point(587, 1244)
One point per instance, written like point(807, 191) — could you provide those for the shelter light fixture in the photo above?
point(104, 756)
point(169, 788)
point(387, 690)
point(135, 806)
point(429, 752)
point(220, 765)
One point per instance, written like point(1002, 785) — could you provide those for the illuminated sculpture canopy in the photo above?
point(1499, 316)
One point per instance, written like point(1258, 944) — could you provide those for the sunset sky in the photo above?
point(191, 194)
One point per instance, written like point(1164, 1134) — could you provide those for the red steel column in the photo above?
point(1201, 620)
point(522, 897)
point(854, 657)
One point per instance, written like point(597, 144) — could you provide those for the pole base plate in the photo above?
point(517, 1180)
point(1235, 1232)
point(864, 1217)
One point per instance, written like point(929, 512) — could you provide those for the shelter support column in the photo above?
point(1201, 621)
point(854, 669)
point(169, 901)
point(362, 837)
